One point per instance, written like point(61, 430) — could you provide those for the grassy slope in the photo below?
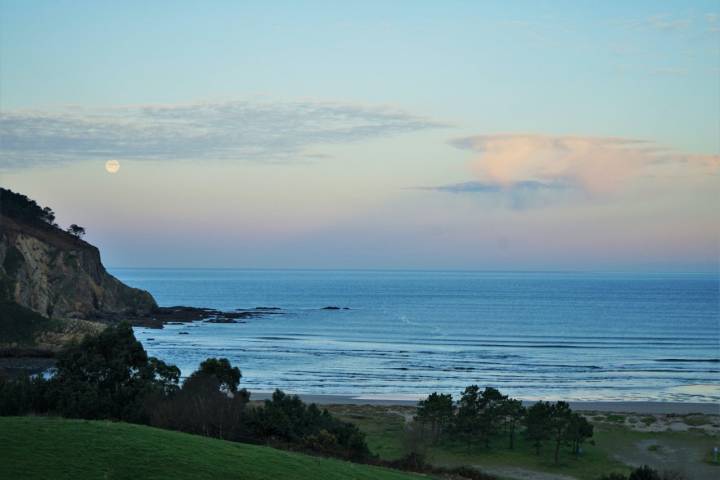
point(42, 447)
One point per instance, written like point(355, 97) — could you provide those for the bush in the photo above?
point(108, 376)
point(201, 407)
point(644, 473)
point(613, 476)
point(285, 419)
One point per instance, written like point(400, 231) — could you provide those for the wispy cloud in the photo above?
point(667, 22)
point(713, 22)
point(488, 187)
point(660, 21)
point(673, 24)
point(229, 130)
point(518, 196)
point(592, 164)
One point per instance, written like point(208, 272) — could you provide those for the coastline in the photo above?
point(640, 407)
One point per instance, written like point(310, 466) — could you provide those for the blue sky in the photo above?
point(370, 134)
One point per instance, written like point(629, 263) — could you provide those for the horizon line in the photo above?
point(429, 270)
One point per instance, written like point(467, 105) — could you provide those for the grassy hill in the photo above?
point(43, 447)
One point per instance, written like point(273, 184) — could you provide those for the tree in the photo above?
point(48, 216)
point(436, 410)
point(226, 376)
point(644, 473)
point(467, 418)
point(513, 412)
point(490, 413)
point(579, 429)
point(108, 375)
point(19, 207)
point(76, 230)
point(286, 419)
point(537, 424)
point(560, 415)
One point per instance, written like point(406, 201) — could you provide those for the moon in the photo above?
point(112, 166)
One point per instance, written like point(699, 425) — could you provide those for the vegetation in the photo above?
point(644, 473)
point(482, 416)
point(46, 447)
point(110, 376)
point(389, 434)
point(19, 326)
point(76, 230)
point(20, 207)
point(437, 412)
point(23, 209)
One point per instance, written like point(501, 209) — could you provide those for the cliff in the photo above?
point(54, 288)
point(58, 275)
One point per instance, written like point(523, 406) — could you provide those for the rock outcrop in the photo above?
point(58, 275)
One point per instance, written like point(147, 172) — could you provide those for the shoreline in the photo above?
point(627, 406)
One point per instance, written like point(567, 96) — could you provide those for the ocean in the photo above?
point(548, 335)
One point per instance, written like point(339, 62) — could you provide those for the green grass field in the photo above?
point(45, 447)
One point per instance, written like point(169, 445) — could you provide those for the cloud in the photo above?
point(713, 22)
point(667, 22)
point(519, 196)
point(229, 130)
point(663, 22)
point(486, 187)
point(592, 164)
point(672, 71)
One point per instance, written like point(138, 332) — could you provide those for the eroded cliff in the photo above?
point(58, 275)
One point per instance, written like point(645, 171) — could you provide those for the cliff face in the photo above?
point(58, 275)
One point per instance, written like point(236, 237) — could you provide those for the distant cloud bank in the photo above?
point(595, 164)
point(230, 130)
point(528, 169)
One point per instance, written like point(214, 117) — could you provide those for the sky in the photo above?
point(422, 135)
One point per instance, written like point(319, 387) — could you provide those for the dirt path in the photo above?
point(522, 474)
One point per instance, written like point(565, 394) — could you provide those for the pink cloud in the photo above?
point(596, 164)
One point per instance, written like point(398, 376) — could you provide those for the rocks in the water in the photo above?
point(181, 315)
point(183, 333)
point(221, 320)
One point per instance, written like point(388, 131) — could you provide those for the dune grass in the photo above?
point(46, 447)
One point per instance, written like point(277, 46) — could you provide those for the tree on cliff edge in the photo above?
point(76, 230)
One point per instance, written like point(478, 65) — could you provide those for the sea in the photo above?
point(405, 334)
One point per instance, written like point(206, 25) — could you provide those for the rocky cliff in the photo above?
point(55, 273)
point(59, 275)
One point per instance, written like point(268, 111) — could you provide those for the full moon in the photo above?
point(112, 166)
